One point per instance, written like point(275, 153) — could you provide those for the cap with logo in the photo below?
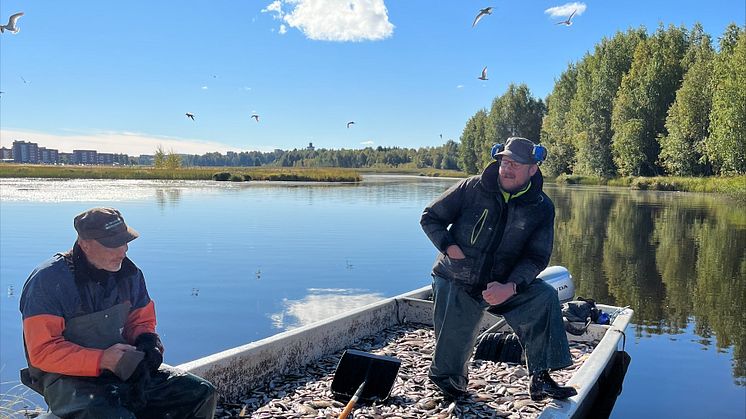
point(106, 226)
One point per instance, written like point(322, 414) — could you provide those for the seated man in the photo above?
point(495, 233)
point(89, 333)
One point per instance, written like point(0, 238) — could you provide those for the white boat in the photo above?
point(237, 371)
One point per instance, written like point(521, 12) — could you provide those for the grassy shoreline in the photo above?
point(233, 174)
point(733, 186)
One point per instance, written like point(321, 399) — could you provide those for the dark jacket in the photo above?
point(66, 288)
point(504, 242)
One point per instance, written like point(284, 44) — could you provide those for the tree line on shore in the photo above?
point(640, 104)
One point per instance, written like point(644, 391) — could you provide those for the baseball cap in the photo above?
point(106, 226)
point(519, 149)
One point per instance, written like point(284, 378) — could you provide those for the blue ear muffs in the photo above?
point(496, 149)
point(538, 153)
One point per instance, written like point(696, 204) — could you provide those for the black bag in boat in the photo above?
point(500, 347)
point(580, 310)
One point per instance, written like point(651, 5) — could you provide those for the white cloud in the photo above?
point(204, 87)
point(460, 86)
point(335, 20)
point(130, 143)
point(369, 142)
point(274, 7)
point(566, 9)
point(283, 29)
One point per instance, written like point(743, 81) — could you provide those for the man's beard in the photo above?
point(515, 189)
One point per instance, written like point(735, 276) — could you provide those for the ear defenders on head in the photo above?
point(497, 148)
point(538, 153)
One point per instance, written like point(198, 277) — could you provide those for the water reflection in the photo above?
point(674, 258)
point(167, 196)
point(320, 304)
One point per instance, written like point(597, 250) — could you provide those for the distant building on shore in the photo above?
point(6, 154)
point(29, 152)
point(85, 157)
point(145, 160)
point(48, 155)
point(25, 152)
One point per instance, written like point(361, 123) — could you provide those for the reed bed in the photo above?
point(235, 174)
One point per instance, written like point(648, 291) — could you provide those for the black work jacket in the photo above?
point(504, 242)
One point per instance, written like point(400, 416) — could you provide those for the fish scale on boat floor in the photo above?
point(496, 389)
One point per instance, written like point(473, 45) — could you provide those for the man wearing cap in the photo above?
point(89, 333)
point(494, 232)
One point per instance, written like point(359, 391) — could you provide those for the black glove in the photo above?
point(136, 398)
point(150, 343)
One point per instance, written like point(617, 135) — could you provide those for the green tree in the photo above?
point(643, 98)
point(472, 139)
point(516, 113)
point(598, 78)
point(688, 120)
point(555, 130)
point(726, 144)
point(159, 158)
point(173, 160)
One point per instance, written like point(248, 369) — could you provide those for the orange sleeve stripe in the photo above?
point(141, 320)
point(49, 351)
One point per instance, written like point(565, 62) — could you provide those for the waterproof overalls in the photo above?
point(506, 238)
point(94, 310)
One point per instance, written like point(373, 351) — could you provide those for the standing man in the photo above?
point(495, 233)
point(89, 333)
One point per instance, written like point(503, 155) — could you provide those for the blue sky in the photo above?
point(120, 76)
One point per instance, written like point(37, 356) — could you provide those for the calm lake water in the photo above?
point(230, 263)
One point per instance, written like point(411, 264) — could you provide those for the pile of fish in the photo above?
point(495, 389)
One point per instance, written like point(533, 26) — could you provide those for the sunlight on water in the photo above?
point(76, 190)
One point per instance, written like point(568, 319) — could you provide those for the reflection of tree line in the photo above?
point(167, 196)
point(669, 259)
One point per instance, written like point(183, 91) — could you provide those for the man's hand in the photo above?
point(497, 293)
point(455, 252)
point(112, 355)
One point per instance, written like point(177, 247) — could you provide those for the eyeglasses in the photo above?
point(507, 164)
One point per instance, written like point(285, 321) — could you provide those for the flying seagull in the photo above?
point(350, 123)
point(11, 26)
point(255, 116)
point(568, 22)
point(482, 12)
point(484, 74)
point(190, 115)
